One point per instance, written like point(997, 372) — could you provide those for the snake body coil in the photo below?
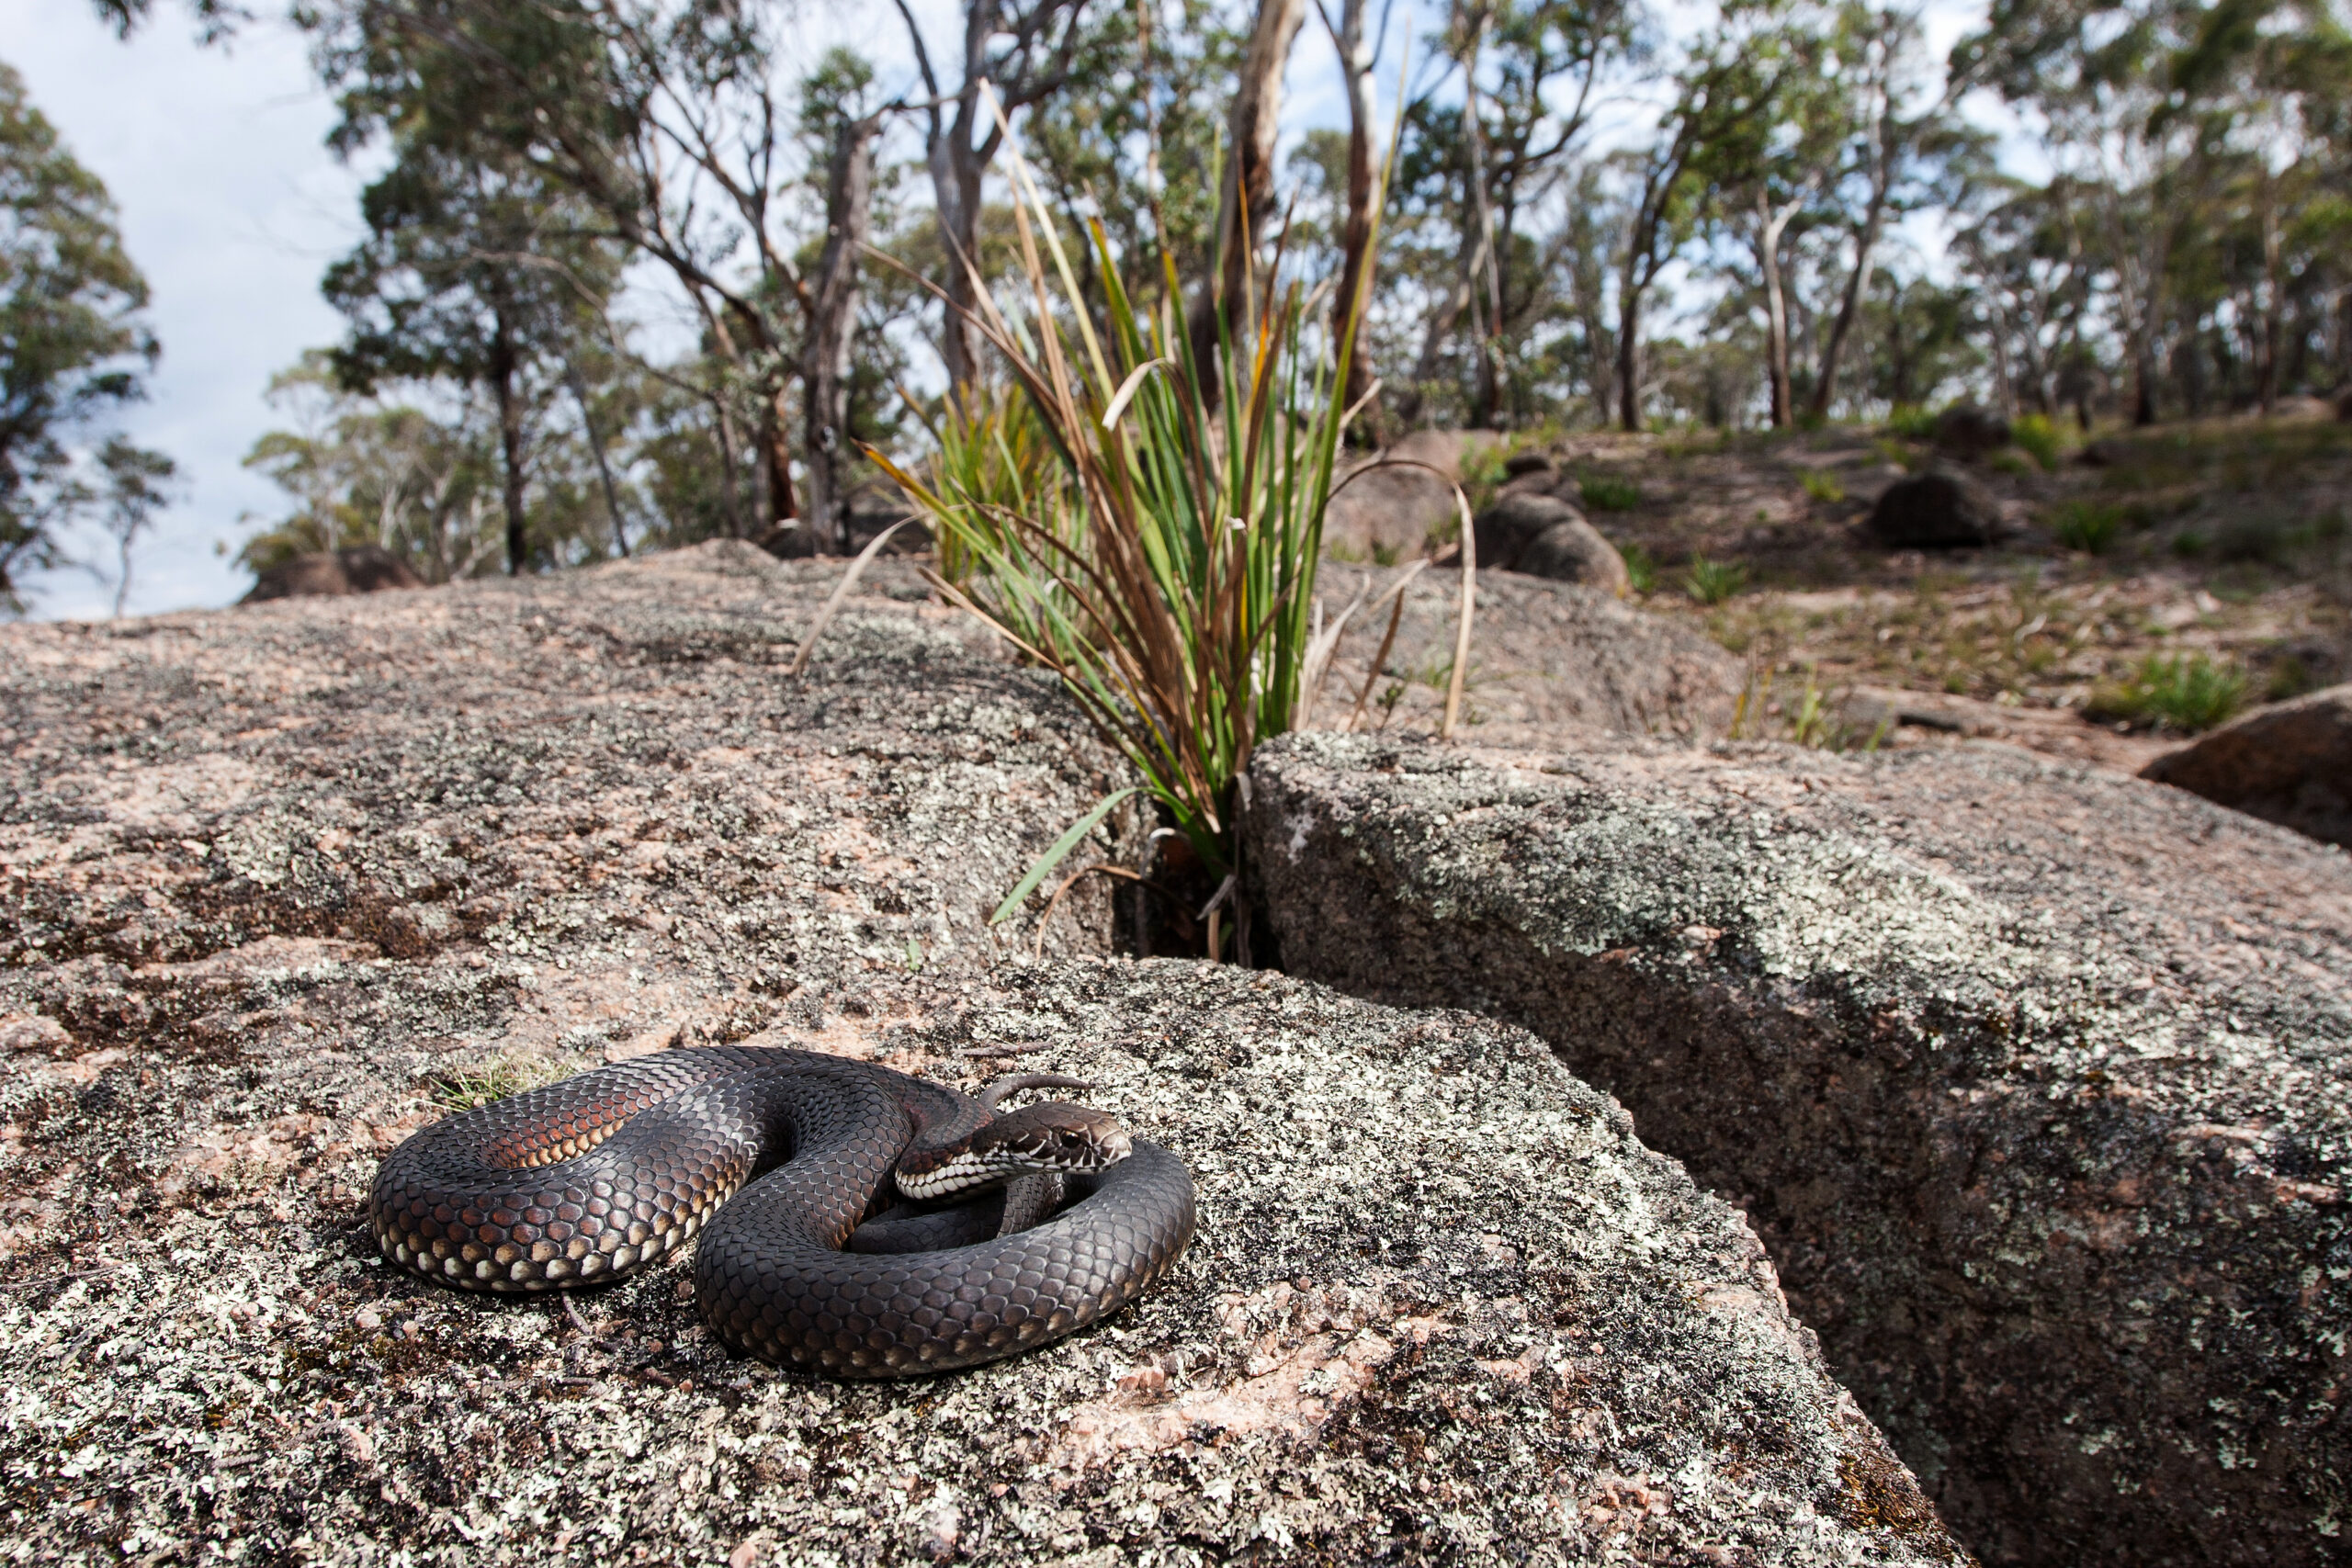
point(592, 1179)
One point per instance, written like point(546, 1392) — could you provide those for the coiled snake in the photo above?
point(589, 1179)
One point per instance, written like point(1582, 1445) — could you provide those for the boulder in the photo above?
point(1966, 430)
point(1395, 503)
point(281, 884)
point(1544, 657)
point(2289, 764)
point(1939, 509)
point(1518, 465)
point(1542, 535)
point(326, 574)
point(2033, 1081)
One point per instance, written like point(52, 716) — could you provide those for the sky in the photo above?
point(233, 206)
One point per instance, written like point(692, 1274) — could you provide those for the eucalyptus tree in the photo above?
point(473, 271)
point(74, 351)
point(667, 119)
point(1900, 142)
point(1530, 73)
point(1013, 55)
point(1727, 83)
point(2095, 72)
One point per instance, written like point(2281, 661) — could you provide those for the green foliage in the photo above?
point(2090, 526)
point(74, 349)
point(1822, 486)
point(1712, 582)
point(468, 1088)
point(2185, 691)
point(1607, 492)
point(1173, 593)
point(1911, 423)
point(1483, 473)
point(2034, 435)
point(1641, 568)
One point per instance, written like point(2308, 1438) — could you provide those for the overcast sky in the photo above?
point(233, 206)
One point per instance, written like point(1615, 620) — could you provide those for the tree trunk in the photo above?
point(1770, 225)
point(1488, 382)
point(1441, 322)
point(1246, 202)
point(955, 170)
point(2271, 335)
point(775, 460)
point(596, 446)
point(1858, 282)
point(503, 369)
point(1629, 353)
point(1355, 261)
point(833, 324)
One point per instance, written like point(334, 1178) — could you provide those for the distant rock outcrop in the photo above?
point(2289, 764)
point(326, 574)
point(1538, 534)
point(1940, 509)
point(1966, 430)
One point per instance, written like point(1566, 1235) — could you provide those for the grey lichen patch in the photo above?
point(2031, 1079)
point(1441, 1305)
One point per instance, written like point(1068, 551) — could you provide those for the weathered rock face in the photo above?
point(277, 880)
point(2289, 764)
point(1940, 509)
point(1542, 535)
point(1403, 497)
point(2032, 1079)
point(363, 569)
point(1966, 430)
point(1543, 656)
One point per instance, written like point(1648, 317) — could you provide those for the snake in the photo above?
point(815, 1185)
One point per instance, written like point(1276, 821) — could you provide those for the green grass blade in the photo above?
point(1055, 856)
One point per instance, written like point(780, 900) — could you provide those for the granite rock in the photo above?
point(281, 883)
point(2289, 762)
point(1544, 657)
point(2033, 1078)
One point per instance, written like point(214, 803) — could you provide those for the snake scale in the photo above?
point(779, 1159)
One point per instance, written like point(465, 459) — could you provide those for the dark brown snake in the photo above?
point(590, 1179)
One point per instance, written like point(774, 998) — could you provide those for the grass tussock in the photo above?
point(2182, 692)
point(1145, 525)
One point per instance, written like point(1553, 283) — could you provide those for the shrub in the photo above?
point(1712, 582)
point(2188, 691)
point(1911, 422)
point(1483, 473)
point(1823, 486)
point(1607, 492)
point(1166, 572)
point(2087, 525)
point(1641, 568)
point(2034, 435)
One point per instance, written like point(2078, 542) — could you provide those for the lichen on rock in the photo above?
point(2031, 1079)
point(283, 884)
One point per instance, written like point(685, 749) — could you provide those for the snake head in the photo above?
point(1056, 1136)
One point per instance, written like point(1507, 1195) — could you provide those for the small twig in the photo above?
point(1395, 591)
point(1038, 948)
point(572, 1310)
point(1461, 635)
point(1022, 1050)
point(994, 1096)
point(841, 592)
